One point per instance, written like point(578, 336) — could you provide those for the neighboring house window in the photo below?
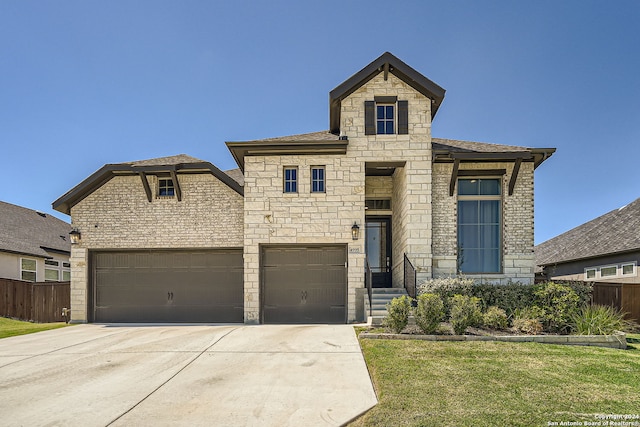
point(386, 116)
point(479, 225)
point(609, 271)
point(317, 179)
point(629, 269)
point(51, 270)
point(590, 273)
point(165, 187)
point(28, 269)
point(290, 179)
point(66, 272)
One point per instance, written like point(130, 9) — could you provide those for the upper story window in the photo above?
point(479, 225)
point(165, 187)
point(290, 179)
point(317, 179)
point(385, 119)
point(385, 115)
point(28, 269)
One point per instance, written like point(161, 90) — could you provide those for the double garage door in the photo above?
point(168, 286)
point(304, 284)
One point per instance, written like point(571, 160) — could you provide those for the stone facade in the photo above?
point(118, 215)
point(517, 225)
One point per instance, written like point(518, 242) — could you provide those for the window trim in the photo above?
point(634, 267)
point(386, 120)
point(586, 273)
point(295, 181)
point(322, 181)
point(493, 197)
point(619, 270)
point(35, 271)
point(609, 266)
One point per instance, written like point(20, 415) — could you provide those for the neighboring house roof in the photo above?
point(386, 63)
point(171, 165)
point(615, 232)
point(322, 142)
point(29, 232)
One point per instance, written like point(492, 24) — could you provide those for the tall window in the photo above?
point(479, 225)
point(385, 119)
point(317, 179)
point(51, 270)
point(165, 187)
point(290, 179)
point(28, 269)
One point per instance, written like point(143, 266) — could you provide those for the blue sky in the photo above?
point(84, 83)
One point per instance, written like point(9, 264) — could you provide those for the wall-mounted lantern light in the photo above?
point(355, 231)
point(75, 236)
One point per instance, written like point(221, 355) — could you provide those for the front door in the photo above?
point(378, 250)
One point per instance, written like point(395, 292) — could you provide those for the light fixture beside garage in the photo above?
point(75, 236)
point(355, 231)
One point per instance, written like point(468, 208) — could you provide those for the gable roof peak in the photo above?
point(385, 63)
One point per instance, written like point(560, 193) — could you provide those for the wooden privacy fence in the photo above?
point(36, 302)
point(623, 296)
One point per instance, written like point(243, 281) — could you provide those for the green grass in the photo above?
point(423, 383)
point(11, 327)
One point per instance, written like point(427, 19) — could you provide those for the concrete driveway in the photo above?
point(122, 375)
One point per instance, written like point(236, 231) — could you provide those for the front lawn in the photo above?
point(426, 383)
point(11, 327)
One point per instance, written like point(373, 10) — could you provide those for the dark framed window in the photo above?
point(385, 119)
point(290, 179)
point(317, 179)
point(479, 225)
point(386, 116)
point(165, 187)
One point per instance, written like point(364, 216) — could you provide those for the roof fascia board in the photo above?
point(626, 251)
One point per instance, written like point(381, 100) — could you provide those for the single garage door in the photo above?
point(168, 286)
point(304, 284)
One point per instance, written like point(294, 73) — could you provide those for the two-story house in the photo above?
point(288, 237)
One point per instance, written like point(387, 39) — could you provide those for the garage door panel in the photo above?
point(168, 286)
point(304, 284)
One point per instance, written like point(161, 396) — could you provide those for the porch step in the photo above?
point(380, 297)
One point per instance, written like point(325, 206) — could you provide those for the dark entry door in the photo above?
point(303, 284)
point(378, 250)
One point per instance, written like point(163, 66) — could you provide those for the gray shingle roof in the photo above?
point(27, 231)
point(237, 175)
point(165, 161)
point(475, 147)
point(324, 135)
point(614, 232)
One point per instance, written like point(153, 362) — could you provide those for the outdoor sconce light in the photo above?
point(355, 231)
point(75, 236)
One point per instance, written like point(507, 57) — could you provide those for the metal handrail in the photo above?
point(410, 278)
point(368, 280)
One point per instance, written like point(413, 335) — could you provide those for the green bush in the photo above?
point(597, 320)
point(446, 288)
point(465, 312)
point(398, 314)
point(495, 318)
point(509, 297)
point(558, 303)
point(527, 320)
point(429, 312)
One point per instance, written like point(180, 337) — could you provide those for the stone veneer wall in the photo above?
point(272, 217)
point(118, 216)
point(517, 231)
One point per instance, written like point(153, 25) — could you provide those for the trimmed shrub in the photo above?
point(446, 288)
point(526, 320)
point(398, 314)
point(429, 312)
point(597, 320)
point(509, 297)
point(557, 304)
point(465, 312)
point(495, 318)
